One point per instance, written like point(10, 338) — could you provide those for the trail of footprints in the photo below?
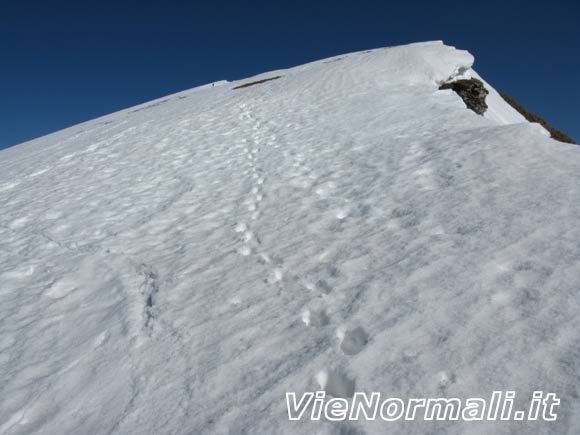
point(250, 241)
point(351, 340)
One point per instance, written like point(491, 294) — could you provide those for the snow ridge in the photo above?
point(179, 266)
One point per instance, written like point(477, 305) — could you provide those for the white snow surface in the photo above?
point(177, 267)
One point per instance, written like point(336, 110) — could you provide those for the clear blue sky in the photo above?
point(62, 63)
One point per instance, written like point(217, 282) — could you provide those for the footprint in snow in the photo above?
point(245, 250)
point(276, 276)
point(335, 383)
point(264, 258)
point(352, 341)
point(240, 227)
point(444, 379)
point(342, 213)
point(325, 189)
point(315, 318)
point(321, 286)
point(61, 288)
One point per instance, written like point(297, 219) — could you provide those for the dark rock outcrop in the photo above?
point(245, 85)
point(555, 134)
point(472, 92)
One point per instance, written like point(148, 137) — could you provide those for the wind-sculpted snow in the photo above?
point(178, 268)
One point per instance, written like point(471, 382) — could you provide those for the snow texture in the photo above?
point(176, 267)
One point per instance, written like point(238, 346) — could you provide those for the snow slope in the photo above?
point(176, 267)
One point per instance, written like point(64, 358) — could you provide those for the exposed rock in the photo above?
point(555, 134)
point(472, 92)
point(245, 85)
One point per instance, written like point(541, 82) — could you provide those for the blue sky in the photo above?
point(62, 63)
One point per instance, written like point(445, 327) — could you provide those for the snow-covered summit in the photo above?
point(177, 267)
